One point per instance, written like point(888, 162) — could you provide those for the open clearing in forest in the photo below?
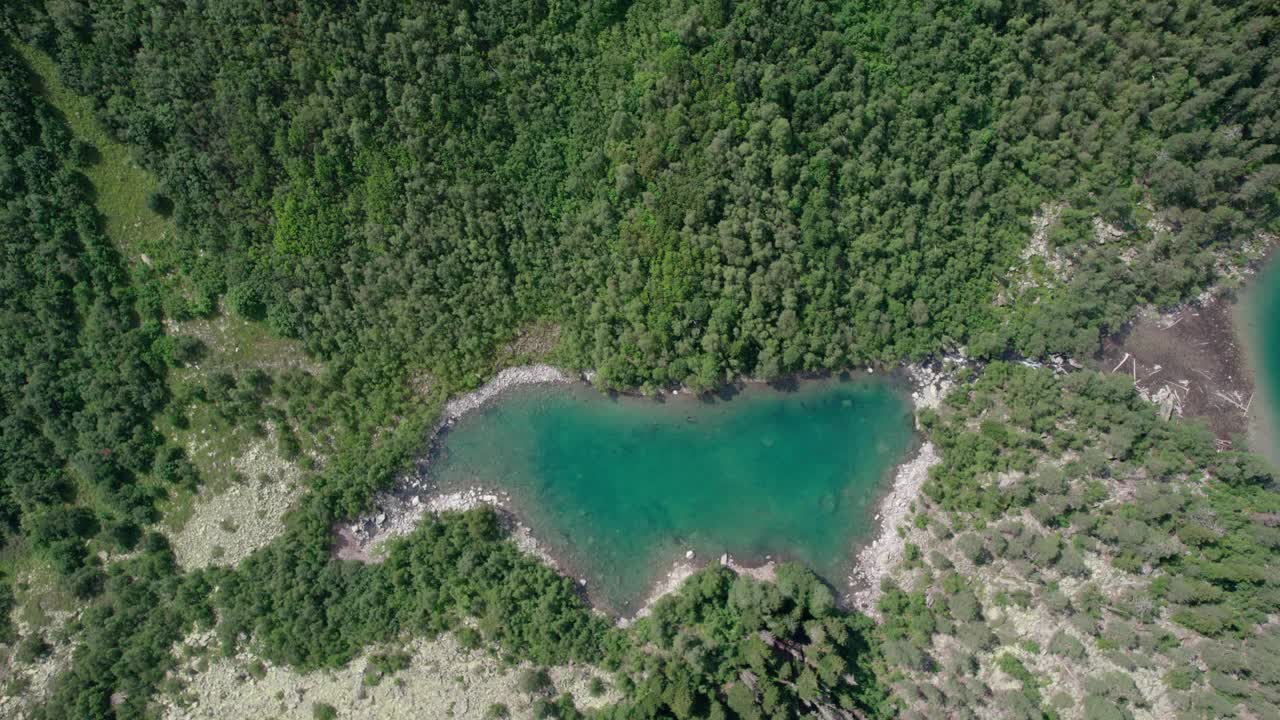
point(443, 680)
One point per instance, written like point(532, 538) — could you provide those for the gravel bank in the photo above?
point(442, 680)
point(225, 527)
point(874, 562)
point(505, 380)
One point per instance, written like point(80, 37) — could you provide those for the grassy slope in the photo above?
point(120, 185)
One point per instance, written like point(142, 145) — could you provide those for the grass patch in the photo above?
point(121, 186)
point(125, 195)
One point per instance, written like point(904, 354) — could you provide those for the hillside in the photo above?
point(249, 251)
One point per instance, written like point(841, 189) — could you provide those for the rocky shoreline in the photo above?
point(398, 511)
point(876, 560)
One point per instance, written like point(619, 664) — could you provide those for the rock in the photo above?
point(724, 559)
point(688, 554)
point(382, 517)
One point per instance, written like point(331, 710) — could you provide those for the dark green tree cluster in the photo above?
point(729, 646)
point(302, 608)
point(125, 638)
point(693, 190)
point(79, 382)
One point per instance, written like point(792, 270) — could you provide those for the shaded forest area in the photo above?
point(694, 191)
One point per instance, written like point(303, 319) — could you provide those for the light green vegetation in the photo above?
point(120, 184)
point(120, 192)
point(620, 487)
point(232, 346)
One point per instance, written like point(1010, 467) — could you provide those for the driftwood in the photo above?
point(784, 645)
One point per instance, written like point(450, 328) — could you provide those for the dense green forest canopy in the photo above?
point(695, 191)
point(691, 192)
point(79, 380)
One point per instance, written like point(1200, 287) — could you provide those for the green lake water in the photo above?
point(1262, 313)
point(619, 487)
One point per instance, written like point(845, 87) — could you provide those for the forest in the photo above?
point(695, 192)
point(692, 193)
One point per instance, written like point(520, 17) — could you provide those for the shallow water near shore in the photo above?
point(1261, 313)
point(617, 488)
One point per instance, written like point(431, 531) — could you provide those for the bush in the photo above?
point(595, 688)
point(977, 636)
point(468, 638)
point(542, 708)
point(1115, 685)
point(32, 648)
point(1066, 645)
point(159, 204)
point(497, 711)
point(972, 547)
point(533, 680)
point(83, 154)
point(1099, 708)
point(323, 711)
point(964, 606)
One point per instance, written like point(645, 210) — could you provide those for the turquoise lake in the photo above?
point(617, 488)
point(1262, 313)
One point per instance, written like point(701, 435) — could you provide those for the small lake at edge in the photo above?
point(617, 488)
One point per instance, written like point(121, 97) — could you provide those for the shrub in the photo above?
point(1121, 635)
point(533, 680)
point(1115, 685)
point(84, 154)
point(159, 204)
point(542, 708)
point(1066, 645)
point(468, 638)
point(976, 636)
point(32, 648)
point(1180, 678)
point(964, 606)
point(497, 711)
point(323, 711)
point(1100, 708)
point(972, 547)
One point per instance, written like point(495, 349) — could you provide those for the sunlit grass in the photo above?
point(120, 184)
